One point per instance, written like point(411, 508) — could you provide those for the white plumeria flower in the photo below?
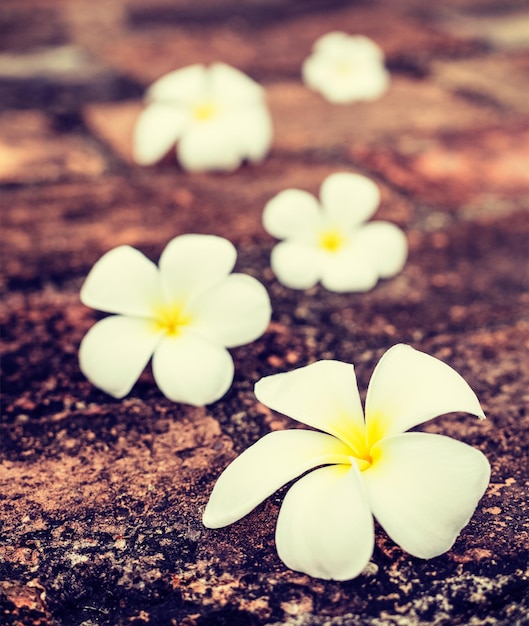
point(422, 488)
point(217, 117)
point(331, 243)
point(345, 68)
point(184, 314)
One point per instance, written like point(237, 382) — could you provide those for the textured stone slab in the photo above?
point(100, 499)
point(472, 171)
point(507, 31)
point(479, 78)
point(33, 150)
point(58, 77)
point(113, 491)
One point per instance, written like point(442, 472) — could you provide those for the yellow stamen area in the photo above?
point(331, 240)
point(355, 439)
point(204, 111)
point(171, 320)
point(375, 429)
point(344, 68)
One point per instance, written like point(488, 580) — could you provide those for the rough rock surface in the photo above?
point(100, 499)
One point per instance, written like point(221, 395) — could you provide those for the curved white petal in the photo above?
point(266, 466)
point(349, 199)
point(235, 311)
point(385, 244)
point(325, 528)
point(340, 44)
point(253, 132)
point(123, 281)
point(157, 130)
point(423, 489)
point(210, 145)
point(232, 86)
point(292, 212)
point(409, 387)
point(332, 42)
point(191, 370)
point(368, 85)
point(323, 395)
point(350, 269)
point(296, 265)
point(192, 263)
point(116, 350)
point(186, 86)
point(314, 72)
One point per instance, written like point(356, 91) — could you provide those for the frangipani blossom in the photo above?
point(330, 242)
point(345, 68)
point(184, 314)
point(217, 117)
point(422, 488)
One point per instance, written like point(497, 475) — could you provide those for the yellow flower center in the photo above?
point(172, 320)
point(344, 67)
point(354, 437)
point(204, 111)
point(331, 240)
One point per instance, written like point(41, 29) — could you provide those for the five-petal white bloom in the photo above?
point(330, 243)
point(422, 488)
point(217, 117)
point(345, 68)
point(184, 314)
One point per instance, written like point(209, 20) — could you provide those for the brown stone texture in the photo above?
point(101, 499)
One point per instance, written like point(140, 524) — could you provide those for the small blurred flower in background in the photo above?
point(346, 68)
point(215, 116)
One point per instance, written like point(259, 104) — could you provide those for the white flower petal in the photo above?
point(191, 370)
point(185, 86)
point(192, 263)
point(232, 86)
point(349, 199)
point(266, 466)
point(409, 387)
point(332, 42)
point(291, 213)
point(116, 350)
point(157, 130)
point(350, 269)
point(252, 132)
point(423, 489)
point(123, 281)
point(325, 528)
point(232, 313)
point(210, 145)
point(296, 265)
point(323, 395)
point(385, 244)
point(369, 85)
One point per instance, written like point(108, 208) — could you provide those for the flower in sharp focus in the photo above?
point(184, 314)
point(216, 116)
point(345, 68)
point(331, 243)
point(422, 488)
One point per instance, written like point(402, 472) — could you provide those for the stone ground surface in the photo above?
point(100, 499)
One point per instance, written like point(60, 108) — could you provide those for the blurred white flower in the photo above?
point(422, 488)
point(216, 116)
point(184, 314)
point(345, 68)
point(331, 243)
